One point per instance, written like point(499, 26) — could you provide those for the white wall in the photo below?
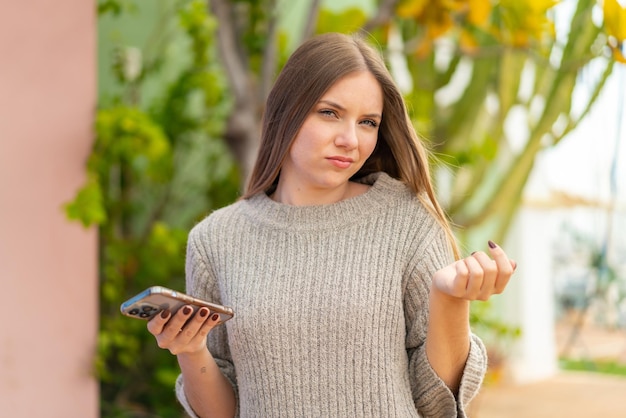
point(528, 301)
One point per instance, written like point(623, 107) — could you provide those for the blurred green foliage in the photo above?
point(157, 166)
point(597, 366)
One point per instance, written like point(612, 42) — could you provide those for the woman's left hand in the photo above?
point(476, 277)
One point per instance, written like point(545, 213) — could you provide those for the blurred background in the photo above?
point(125, 122)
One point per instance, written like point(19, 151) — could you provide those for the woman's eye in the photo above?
point(326, 112)
point(371, 123)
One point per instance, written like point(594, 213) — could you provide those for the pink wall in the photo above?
point(48, 266)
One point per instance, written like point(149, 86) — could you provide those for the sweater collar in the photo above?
point(385, 192)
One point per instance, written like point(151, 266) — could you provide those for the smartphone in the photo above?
point(155, 299)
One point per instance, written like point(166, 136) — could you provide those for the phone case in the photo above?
point(155, 299)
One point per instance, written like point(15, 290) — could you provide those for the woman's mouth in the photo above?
point(340, 162)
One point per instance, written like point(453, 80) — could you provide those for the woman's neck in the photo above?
point(295, 196)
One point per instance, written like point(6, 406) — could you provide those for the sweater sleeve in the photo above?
point(433, 399)
point(201, 283)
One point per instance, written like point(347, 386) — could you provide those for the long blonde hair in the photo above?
point(310, 71)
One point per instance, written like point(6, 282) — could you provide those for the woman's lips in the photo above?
point(340, 162)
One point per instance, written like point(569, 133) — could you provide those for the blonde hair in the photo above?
point(310, 71)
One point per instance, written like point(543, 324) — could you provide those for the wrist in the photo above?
point(440, 298)
point(191, 357)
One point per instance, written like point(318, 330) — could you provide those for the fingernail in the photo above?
point(186, 310)
point(203, 312)
point(215, 317)
point(473, 253)
point(492, 244)
point(165, 313)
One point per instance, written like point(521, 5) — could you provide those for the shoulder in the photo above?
point(384, 183)
point(415, 215)
point(400, 197)
point(218, 222)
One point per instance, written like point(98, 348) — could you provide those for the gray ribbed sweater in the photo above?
point(331, 306)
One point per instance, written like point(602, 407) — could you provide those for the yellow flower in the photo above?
point(615, 19)
point(615, 25)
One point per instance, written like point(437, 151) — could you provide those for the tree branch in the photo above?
point(269, 57)
point(234, 66)
point(573, 123)
point(311, 22)
point(382, 16)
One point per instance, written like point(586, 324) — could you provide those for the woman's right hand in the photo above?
point(183, 332)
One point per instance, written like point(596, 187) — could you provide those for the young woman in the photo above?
point(338, 261)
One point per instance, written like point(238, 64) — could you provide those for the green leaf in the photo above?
point(346, 21)
point(88, 205)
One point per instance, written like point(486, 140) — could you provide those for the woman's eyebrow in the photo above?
point(338, 106)
point(333, 104)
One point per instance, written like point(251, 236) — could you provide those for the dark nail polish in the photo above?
point(186, 310)
point(491, 244)
point(215, 317)
point(203, 312)
point(165, 313)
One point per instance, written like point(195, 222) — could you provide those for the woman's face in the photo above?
point(336, 138)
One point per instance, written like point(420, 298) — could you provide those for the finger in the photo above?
point(192, 326)
point(444, 279)
point(157, 323)
point(169, 338)
point(457, 284)
point(505, 267)
point(490, 274)
point(194, 335)
point(475, 279)
point(210, 322)
point(176, 324)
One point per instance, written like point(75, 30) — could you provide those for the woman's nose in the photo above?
point(347, 137)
